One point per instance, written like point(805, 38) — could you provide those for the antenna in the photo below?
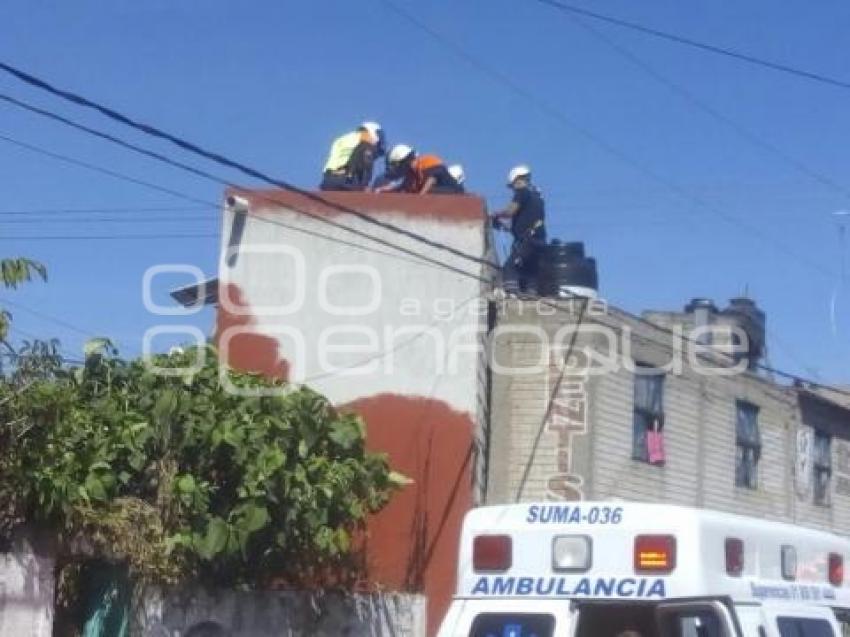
point(841, 217)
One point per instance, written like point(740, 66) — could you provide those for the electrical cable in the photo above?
point(108, 237)
point(113, 210)
point(400, 249)
point(51, 319)
point(54, 220)
point(550, 404)
point(711, 48)
point(63, 355)
point(257, 174)
point(99, 169)
point(556, 114)
point(207, 175)
point(218, 158)
point(781, 373)
point(698, 103)
point(559, 116)
point(480, 279)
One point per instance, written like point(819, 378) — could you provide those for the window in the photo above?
point(843, 617)
point(512, 625)
point(648, 417)
point(694, 624)
point(822, 466)
point(803, 627)
point(601, 619)
point(747, 445)
point(695, 619)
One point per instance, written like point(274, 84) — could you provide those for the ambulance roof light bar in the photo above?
point(655, 553)
point(734, 556)
point(789, 562)
point(492, 553)
point(572, 553)
point(836, 569)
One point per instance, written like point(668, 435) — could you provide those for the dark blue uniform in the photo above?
point(520, 272)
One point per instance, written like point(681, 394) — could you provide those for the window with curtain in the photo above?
point(648, 417)
point(822, 467)
point(747, 445)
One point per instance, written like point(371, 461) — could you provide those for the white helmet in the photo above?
point(374, 128)
point(518, 171)
point(378, 137)
point(399, 153)
point(456, 171)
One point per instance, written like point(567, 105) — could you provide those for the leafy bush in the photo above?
point(178, 478)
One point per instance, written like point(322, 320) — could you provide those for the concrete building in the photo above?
point(312, 291)
point(480, 399)
point(650, 409)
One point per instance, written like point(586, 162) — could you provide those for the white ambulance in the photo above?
point(590, 569)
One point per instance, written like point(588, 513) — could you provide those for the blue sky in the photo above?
point(644, 175)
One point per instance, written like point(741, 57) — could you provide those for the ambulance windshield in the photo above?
point(513, 625)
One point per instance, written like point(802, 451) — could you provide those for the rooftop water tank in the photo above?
point(744, 313)
point(565, 271)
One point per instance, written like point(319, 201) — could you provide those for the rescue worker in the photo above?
point(524, 217)
point(388, 181)
point(425, 174)
point(456, 171)
point(352, 157)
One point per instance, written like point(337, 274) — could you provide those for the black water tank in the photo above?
point(563, 269)
point(747, 315)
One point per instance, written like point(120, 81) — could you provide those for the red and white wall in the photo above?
point(393, 336)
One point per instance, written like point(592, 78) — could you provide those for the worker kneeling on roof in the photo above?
point(420, 174)
point(352, 157)
point(456, 171)
point(524, 217)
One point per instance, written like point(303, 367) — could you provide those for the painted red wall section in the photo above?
point(249, 350)
point(459, 208)
point(413, 543)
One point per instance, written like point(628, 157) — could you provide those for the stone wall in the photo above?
point(280, 614)
point(26, 589)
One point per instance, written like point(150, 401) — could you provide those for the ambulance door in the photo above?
point(702, 618)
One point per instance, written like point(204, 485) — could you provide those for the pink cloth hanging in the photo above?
point(655, 444)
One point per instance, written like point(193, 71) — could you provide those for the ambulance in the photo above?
point(618, 569)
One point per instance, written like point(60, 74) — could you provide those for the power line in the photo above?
point(98, 237)
point(214, 178)
point(109, 210)
point(89, 219)
point(550, 404)
point(106, 171)
point(49, 318)
point(559, 116)
point(217, 158)
point(224, 161)
point(399, 249)
point(711, 48)
point(698, 103)
point(33, 337)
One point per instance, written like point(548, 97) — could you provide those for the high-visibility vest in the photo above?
point(341, 150)
point(417, 171)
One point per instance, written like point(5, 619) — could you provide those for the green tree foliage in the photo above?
point(177, 478)
point(13, 272)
